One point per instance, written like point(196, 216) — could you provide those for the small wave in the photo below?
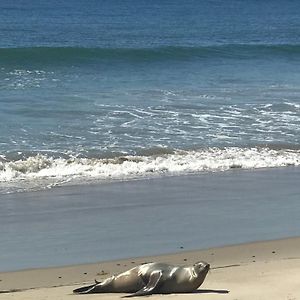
point(65, 55)
point(45, 169)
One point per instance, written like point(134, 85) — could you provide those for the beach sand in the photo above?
point(259, 270)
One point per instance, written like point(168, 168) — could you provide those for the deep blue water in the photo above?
point(142, 23)
point(118, 89)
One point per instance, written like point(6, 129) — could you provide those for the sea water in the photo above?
point(92, 91)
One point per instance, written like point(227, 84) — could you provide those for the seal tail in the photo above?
point(86, 289)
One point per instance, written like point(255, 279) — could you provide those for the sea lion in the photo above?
point(152, 278)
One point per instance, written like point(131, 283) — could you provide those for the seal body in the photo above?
point(152, 278)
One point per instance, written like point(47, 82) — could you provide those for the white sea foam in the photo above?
point(58, 170)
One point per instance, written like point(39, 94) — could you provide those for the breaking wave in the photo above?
point(43, 171)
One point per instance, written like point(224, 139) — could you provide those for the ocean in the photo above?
point(101, 91)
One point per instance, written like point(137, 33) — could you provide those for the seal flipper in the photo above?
point(149, 289)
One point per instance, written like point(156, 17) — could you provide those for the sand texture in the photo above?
point(261, 270)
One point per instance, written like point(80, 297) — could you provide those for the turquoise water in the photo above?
point(98, 90)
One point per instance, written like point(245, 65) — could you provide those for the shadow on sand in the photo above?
point(207, 291)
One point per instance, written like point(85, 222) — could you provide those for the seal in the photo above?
point(152, 278)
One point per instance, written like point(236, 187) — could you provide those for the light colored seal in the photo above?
point(152, 278)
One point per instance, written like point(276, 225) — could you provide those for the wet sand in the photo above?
point(84, 224)
point(260, 270)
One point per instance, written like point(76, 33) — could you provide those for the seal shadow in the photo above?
point(208, 291)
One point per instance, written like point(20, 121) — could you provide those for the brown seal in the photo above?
point(152, 278)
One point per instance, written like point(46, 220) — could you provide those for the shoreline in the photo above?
point(256, 260)
point(84, 224)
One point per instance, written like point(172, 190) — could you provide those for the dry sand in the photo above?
point(261, 270)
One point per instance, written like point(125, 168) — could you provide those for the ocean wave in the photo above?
point(65, 55)
point(44, 169)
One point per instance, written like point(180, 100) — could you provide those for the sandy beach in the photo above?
point(259, 270)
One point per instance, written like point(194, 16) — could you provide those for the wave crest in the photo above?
point(65, 55)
